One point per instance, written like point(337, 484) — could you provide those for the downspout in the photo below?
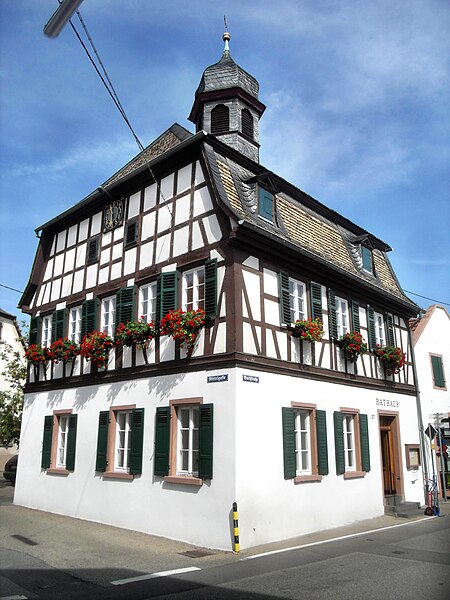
point(419, 418)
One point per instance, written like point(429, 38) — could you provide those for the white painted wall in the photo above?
point(198, 515)
point(272, 508)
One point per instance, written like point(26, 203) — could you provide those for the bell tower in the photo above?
point(226, 105)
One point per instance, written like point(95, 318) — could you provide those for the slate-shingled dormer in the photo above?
point(227, 106)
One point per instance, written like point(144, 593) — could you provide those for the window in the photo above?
point(147, 302)
point(367, 259)
point(59, 442)
point(341, 316)
point(131, 233)
point(247, 123)
point(92, 250)
point(438, 371)
point(297, 300)
point(194, 289)
point(220, 119)
point(379, 329)
point(108, 315)
point(187, 440)
point(184, 441)
point(351, 438)
point(265, 204)
point(47, 331)
point(123, 440)
point(120, 442)
point(305, 449)
point(75, 324)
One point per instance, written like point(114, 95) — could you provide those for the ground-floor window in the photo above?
point(351, 437)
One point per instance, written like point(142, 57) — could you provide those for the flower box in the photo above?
point(352, 344)
point(391, 357)
point(310, 330)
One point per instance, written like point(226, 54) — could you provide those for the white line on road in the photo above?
point(16, 597)
point(153, 575)
point(336, 539)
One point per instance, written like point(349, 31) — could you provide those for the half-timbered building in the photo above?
point(164, 441)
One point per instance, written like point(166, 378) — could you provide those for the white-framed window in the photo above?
point(47, 331)
point(379, 329)
point(297, 300)
point(109, 315)
point(303, 442)
point(123, 440)
point(341, 316)
point(147, 302)
point(187, 440)
point(61, 452)
point(194, 289)
point(349, 442)
point(75, 324)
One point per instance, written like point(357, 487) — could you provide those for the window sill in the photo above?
point(117, 475)
point(354, 474)
point(307, 478)
point(57, 471)
point(186, 479)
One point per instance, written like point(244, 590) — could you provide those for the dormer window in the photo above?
point(220, 119)
point(265, 204)
point(367, 259)
point(247, 123)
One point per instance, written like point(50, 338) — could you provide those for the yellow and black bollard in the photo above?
point(235, 527)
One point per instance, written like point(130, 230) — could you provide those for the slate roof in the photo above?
point(335, 242)
point(226, 74)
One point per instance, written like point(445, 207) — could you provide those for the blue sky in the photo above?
point(357, 95)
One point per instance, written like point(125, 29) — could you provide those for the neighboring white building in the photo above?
point(298, 436)
point(9, 334)
point(431, 334)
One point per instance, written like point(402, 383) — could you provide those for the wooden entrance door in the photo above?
point(388, 455)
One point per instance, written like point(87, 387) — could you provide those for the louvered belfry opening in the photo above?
point(220, 119)
point(247, 123)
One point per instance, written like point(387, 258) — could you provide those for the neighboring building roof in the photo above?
point(418, 325)
point(7, 315)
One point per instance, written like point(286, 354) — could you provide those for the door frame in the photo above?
point(396, 450)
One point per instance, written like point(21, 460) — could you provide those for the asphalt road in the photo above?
point(53, 557)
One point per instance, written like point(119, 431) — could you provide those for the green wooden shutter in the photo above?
point(211, 288)
point(205, 441)
point(102, 440)
point(285, 299)
point(288, 420)
point(47, 442)
point(137, 440)
point(390, 329)
point(162, 440)
point(364, 439)
point(371, 327)
point(332, 314)
point(58, 322)
point(131, 233)
point(316, 301)
point(125, 305)
point(355, 316)
point(167, 293)
point(438, 371)
point(88, 316)
point(339, 442)
point(35, 326)
point(322, 444)
point(71, 442)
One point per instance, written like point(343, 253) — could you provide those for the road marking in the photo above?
point(153, 575)
point(336, 539)
point(16, 597)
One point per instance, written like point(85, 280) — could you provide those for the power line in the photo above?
point(426, 298)
point(10, 288)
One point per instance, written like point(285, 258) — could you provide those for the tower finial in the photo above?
point(226, 38)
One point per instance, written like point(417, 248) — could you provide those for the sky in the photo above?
point(357, 95)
